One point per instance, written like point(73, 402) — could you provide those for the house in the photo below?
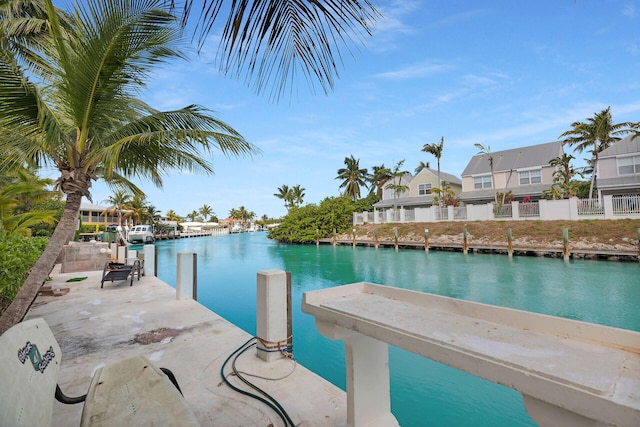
point(419, 190)
point(619, 168)
point(96, 214)
point(524, 171)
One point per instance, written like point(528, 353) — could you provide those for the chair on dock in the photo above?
point(129, 392)
point(118, 271)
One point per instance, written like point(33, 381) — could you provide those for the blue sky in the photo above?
point(501, 73)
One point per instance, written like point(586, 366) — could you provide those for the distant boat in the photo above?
point(141, 234)
point(237, 228)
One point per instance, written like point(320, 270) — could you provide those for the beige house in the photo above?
point(524, 171)
point(619, 168)
point(419, 193)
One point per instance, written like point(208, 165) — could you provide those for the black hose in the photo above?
point(269, 401)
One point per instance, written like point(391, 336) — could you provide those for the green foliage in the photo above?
point(305, 224)
point(366, 204)
point(17, 256)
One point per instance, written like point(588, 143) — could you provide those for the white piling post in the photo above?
point(271, 316)
point(122, 254)
point(150, 260)
point(187, 280)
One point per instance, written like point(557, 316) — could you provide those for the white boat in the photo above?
point(237, 228)
point(141, 234)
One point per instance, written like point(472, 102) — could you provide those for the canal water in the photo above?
point(423, 392)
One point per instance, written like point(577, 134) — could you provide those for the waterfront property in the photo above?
point(423, 392)
point(609, 207)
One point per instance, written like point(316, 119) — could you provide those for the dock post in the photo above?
point(272, 314)
point(150, 260)
point(565, 238)
point(395, 235)
point(509, 242)
point(121, 254)
point(354, 237)
point(426, 240)
point(465, 246)
point(187, 277)
point(376, 242)
point(334, 236)
point(317, 237)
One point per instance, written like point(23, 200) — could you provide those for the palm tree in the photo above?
point(380, 176)
point(396, 184)
point(193, 216)
point(277, 40)
point(172, 216)
point(352, 177)
point(421, 166)
point(119, 202)
point(297, 195)
point(436, 150)
point(487, 150)
point(66, 100)
point(286, 195)
point(206, 212)
point(596, 134)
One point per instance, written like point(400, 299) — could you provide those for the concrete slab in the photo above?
point(95, 327)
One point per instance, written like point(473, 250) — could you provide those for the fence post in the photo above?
point(187, 277)
point(272, 314)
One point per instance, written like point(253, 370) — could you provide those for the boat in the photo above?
point(141, 234)
point(237, 228)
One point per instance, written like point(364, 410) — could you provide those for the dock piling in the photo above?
point(426, 240)
point(565, 239)
point(509, 242)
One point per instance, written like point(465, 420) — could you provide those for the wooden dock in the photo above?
point(483, 248)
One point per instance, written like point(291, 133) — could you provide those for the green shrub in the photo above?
point(17, 256)
point(305, 224)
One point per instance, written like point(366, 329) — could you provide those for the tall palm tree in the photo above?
point(118, 203)
point(378, 178)
point(436, 150)
point(297, 195)
point(352, 177)
point(67, 100)
point(286, 195)
point(487, 150)
point(596, 134)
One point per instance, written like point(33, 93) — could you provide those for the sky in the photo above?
point(501, 73)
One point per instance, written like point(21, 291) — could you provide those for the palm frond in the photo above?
point(269, 42)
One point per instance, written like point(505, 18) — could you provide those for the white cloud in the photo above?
point(414, 71)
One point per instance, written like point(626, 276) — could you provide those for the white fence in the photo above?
point(609, 207)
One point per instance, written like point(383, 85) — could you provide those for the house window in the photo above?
point(629, 165)
point(530, 177)
point(424, 189)
point(480, 182)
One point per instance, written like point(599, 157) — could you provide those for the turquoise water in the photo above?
point(423, 392)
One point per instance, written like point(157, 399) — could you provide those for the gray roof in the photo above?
point(516, 158)
point(625, 182)
point(447, 177)
point(627, 145)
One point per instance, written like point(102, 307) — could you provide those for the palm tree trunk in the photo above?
point(43, 266)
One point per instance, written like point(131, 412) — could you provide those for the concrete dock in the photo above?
point(95, 327)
